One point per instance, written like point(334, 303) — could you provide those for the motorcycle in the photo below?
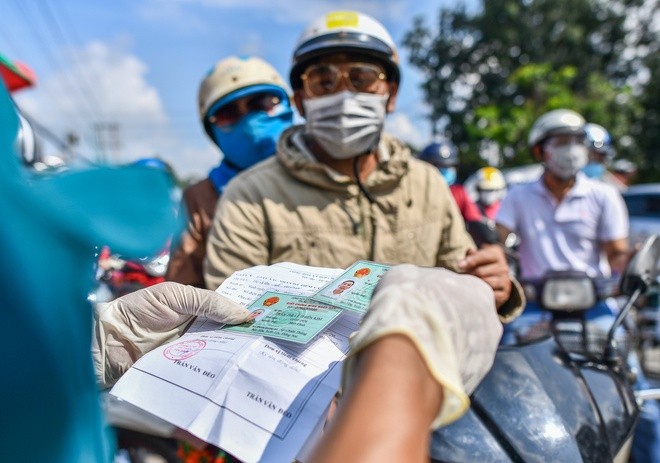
point(116, 275)
point(551, 398)
point(141, 437)
point(567, 295)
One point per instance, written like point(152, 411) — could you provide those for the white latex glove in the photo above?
point(132, 325)
point(452, 320)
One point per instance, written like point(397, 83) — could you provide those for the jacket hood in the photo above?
point(393, 164)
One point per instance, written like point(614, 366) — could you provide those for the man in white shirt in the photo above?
point(567, 221)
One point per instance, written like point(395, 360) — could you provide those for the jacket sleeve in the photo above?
point(451, 320)
point(238, 238)
point(454, 240)
point(185, 262)
point(185, 265)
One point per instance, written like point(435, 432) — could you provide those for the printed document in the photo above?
point(258, 398)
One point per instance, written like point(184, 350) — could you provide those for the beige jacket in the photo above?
point(186, 260)
point(293, 208)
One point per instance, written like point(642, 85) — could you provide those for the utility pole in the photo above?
point(71, 140)
point(108, 141)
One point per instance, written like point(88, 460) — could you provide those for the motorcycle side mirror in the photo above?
point(642, 270)
point(640, 273)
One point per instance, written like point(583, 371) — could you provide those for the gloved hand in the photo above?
point(132, 325)
point(451, 319)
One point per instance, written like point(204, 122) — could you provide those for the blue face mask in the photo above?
point(449, 173)
point(594, 170)
point(253, 138)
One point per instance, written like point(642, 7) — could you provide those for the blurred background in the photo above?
point(117, 81)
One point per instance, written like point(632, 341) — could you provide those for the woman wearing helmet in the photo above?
point(491, 188)
point(244, 107)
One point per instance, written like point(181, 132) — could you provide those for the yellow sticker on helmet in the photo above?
point(489, 172)
point(338, 19)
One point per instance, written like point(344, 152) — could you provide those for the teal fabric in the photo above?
point(48, 229)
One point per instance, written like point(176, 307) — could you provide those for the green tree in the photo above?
point(507, 124)
point(649, 133)
point(512, 59)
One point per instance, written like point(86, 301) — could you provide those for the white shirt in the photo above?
point(566, 235)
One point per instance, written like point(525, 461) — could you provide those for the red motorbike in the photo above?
point(122, 276)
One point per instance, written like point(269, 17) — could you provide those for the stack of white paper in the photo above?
point(259, 399)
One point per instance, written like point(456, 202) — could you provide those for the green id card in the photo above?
point(286, 316)
point(353, 289)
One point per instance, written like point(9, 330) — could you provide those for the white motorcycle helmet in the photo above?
point(598, 139)
point(345, 31)
point(237, 77)
point(490, 178)
point(556, 122)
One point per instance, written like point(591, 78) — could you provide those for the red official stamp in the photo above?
point(184, 349)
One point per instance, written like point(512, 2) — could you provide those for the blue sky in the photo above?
point(139, 64)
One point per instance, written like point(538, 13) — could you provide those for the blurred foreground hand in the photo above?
point(428, 339)
point(451, 320)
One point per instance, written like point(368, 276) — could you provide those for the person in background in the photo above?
point(625, 172)
point(244, 107)
point(444, 156)
point(491, 189)
point(601, 154)
point(567, 221)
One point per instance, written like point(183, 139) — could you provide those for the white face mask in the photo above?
point(566, 161)
point(346, 124)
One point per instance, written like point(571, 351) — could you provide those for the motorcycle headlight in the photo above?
point(568, 293)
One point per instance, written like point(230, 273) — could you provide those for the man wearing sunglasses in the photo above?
point(340, 189)
point(244, 107)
